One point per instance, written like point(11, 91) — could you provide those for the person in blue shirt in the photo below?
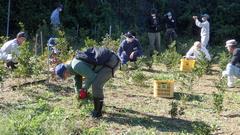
point(55, 19)
point(130, 49)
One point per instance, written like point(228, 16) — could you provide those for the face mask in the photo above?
point(203, 19)
point(169, 17)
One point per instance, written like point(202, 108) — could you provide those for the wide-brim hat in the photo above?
point(231, 42)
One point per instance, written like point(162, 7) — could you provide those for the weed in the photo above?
point(144, 61)
point(164, 77)
point(109, 43)
point(24, 66)
point(66, 52)
point(223, 60)
point(176, 110)
point(221, 85)
point(201, 128)
point(218, 101)
point(2, 72)
point(138, 77)
point(90, 42)
point(170, 58)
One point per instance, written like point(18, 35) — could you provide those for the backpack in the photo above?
point(96, 56)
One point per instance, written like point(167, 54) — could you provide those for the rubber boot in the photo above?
point(98, 104)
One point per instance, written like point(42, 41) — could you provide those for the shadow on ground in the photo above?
point(163, 124)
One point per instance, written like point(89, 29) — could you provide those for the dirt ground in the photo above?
point(130, 108)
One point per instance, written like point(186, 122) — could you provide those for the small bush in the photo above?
point(176, 109)
point(170, 58)
point(164, 77)
point(109, 43)
point(90, 42)
point(218, 101)
point(224, 58)
point(201, 128)
point(138, 77)
point(2, 71)
point(24, 68)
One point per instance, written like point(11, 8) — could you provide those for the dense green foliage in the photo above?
point(93, 18)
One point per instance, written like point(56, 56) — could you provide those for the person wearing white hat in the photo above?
point(196, 51)
point(233, 67)
point(10, 50)
point(205, 29)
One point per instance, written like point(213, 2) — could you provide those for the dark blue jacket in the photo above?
point(134, 46)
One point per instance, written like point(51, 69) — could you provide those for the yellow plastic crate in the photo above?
point(163, 88)
point(187, 65)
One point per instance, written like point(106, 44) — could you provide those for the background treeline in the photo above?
point(93, 18)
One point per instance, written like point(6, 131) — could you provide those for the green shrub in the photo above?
point(28, 64)
point(201, 128)
point(2, 71)
point(176, 109)
point(164, 77)
point(224, 58)
point(90, 42)
point(138, 77)
point(218, 101)
point(109, 43)
point(170, 58)
point(202, 65)
point(66, 52)
point(24, 67)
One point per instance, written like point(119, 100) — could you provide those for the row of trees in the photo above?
point(93, 17)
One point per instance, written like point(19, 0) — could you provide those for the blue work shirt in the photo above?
point(55, 20)
point(134, 46)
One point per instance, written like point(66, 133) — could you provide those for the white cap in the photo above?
point(231, 42)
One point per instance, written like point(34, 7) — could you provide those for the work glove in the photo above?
point(82, 94)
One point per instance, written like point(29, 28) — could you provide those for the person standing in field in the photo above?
point(205, 29)
point(154, 35)
point(55, 17)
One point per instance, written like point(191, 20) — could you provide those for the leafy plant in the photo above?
point(221, 85)
point(27, 63)
point(164, 77)
point(109, 43)
point(90, 42)
point(201, 128)
point(66, 52)
point(223, 60)
point(144, 61)
point(176, 109)
point(186, 81)
point(24, 67)
point(138, 77)
point(218, 101)
point(170, 58)
point(2, 71)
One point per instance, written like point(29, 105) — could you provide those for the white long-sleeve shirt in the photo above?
point(9, 49)
point(205, 27)
point(193, 53)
